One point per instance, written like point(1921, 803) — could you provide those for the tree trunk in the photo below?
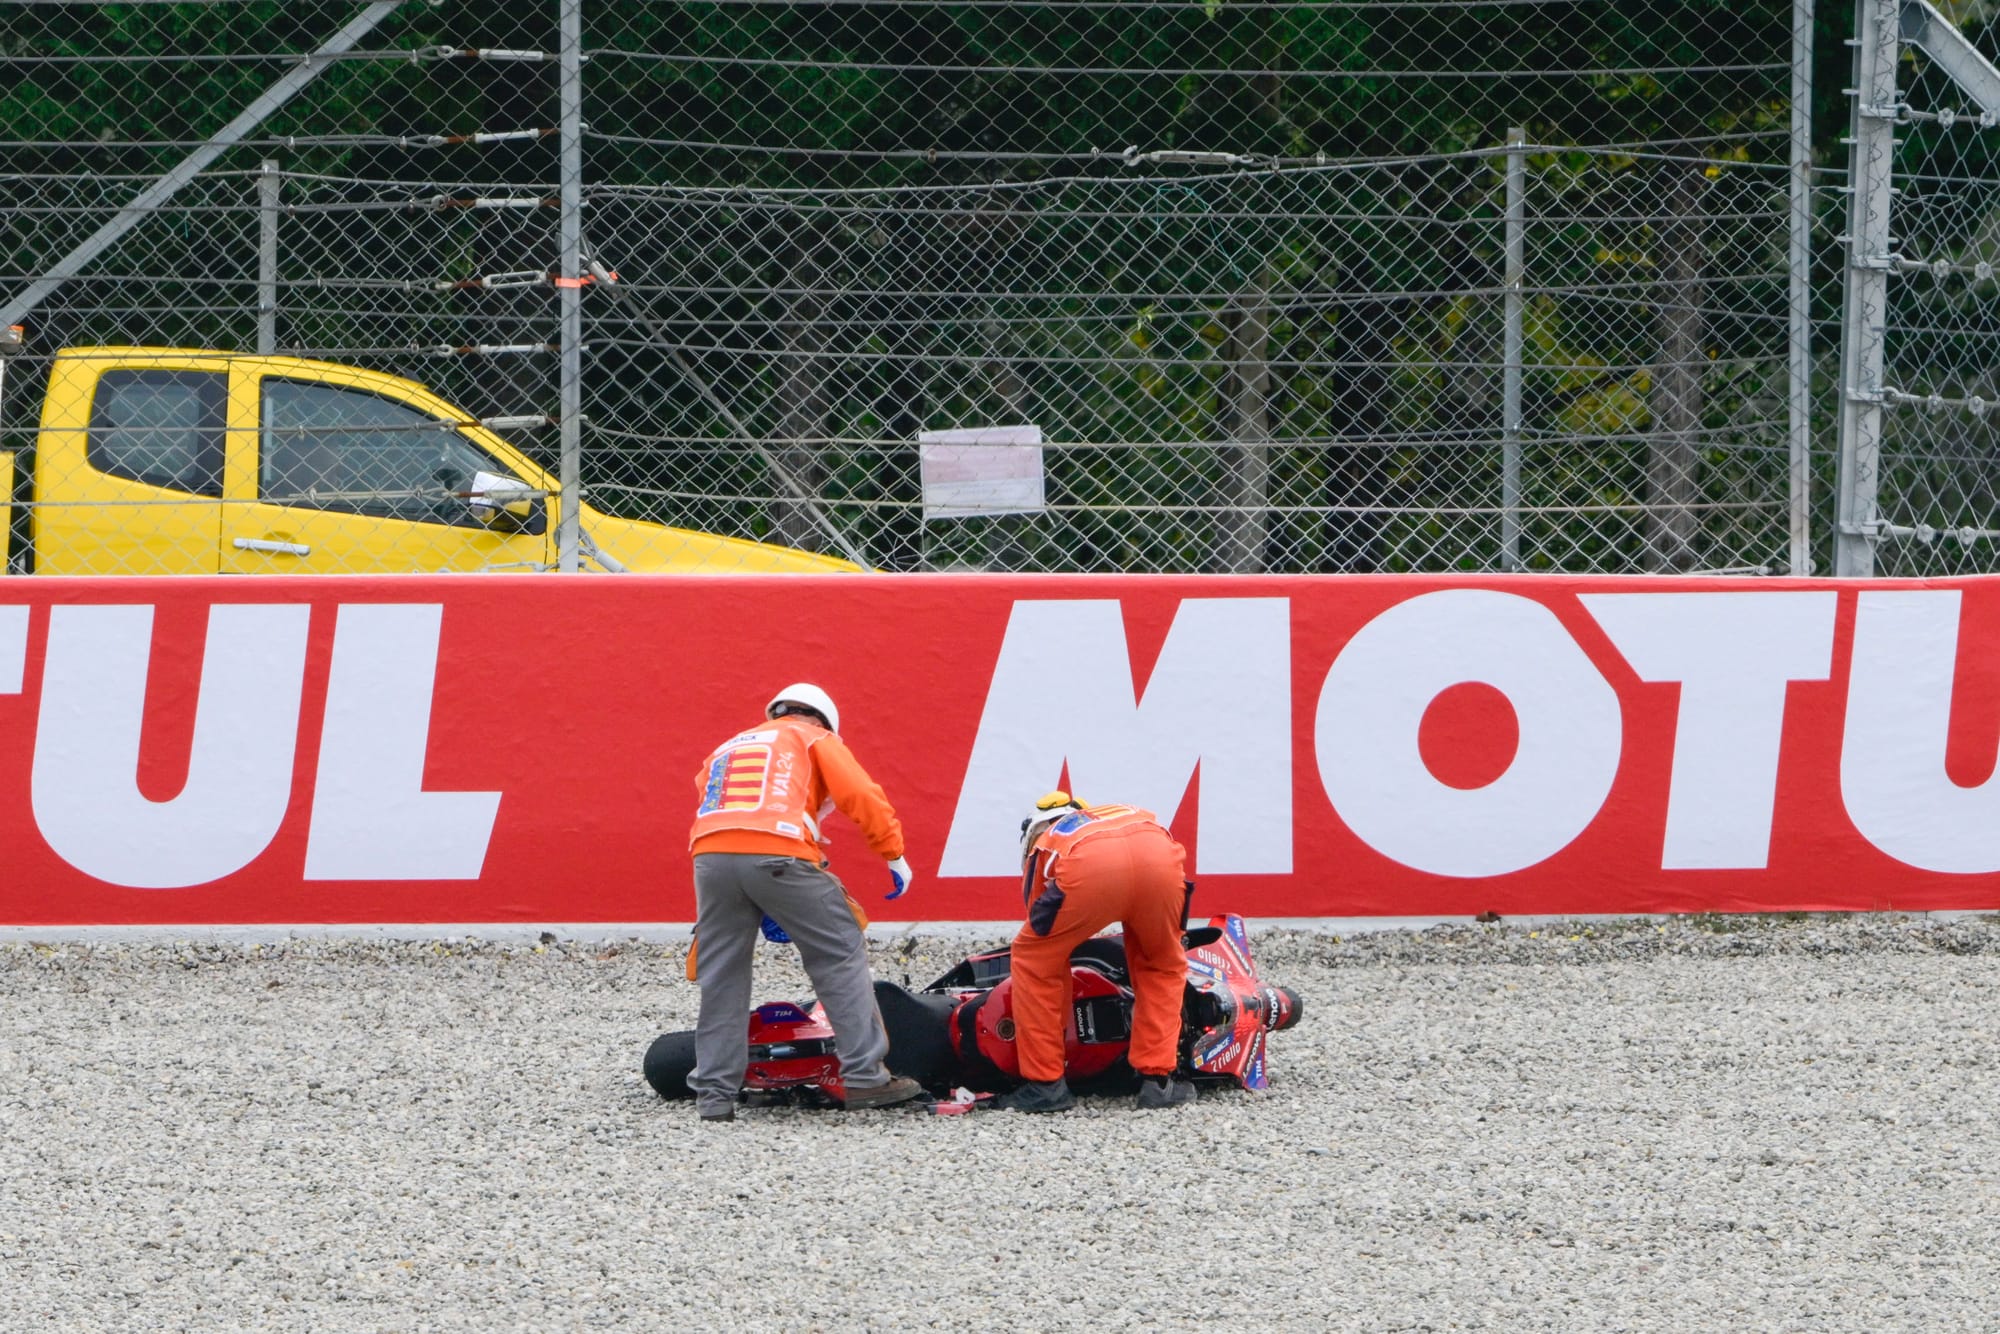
point(1672, 488)
point(800, 436)
point(1242, 529)
point(1360, 489)
point(1000, 538)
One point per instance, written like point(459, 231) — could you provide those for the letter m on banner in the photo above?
point(1062, 695)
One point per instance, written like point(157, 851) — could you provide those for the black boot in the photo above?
point(1037, 1096)
point(1164, 1091)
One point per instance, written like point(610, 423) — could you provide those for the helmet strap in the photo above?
point(787, 707)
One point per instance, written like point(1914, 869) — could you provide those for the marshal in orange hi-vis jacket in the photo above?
point(758, 854)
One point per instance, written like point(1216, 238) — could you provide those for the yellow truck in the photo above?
point(170, 461)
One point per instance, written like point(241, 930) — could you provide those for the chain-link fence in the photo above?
point(917, 284)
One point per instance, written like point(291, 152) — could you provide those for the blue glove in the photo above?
point(900, 875)
point(773, 932)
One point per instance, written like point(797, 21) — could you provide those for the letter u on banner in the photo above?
point(85, 788)
point(1892, 774)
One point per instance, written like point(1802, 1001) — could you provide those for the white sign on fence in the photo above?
point(981, 470)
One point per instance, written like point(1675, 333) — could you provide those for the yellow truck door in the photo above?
point(340, 471)
point(128, 465)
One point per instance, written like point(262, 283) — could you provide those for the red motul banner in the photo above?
point(480, 750)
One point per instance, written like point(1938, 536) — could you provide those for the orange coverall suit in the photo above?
point(1087, 870)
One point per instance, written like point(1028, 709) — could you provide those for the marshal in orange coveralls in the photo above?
point(1083, 868)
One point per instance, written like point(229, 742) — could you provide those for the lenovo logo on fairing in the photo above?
point(371, 819)
point(1220, 698)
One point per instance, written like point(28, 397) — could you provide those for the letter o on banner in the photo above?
point(1373, 702)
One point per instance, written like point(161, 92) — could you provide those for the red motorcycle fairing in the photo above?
point(793, 1048)
point(790, 1048)
point(1230, 1011)
point(1096, 1032)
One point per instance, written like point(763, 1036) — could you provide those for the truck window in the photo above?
point(350, 451)
point(160, 427)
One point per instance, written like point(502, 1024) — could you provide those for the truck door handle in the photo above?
point(273, 547)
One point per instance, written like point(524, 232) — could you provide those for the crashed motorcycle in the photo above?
point(956, 1036)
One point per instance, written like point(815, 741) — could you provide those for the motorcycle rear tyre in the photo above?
point(669, 1062)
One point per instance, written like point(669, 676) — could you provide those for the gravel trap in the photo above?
point(1703, 1123)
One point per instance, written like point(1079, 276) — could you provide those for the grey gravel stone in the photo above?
point(1692, 1124)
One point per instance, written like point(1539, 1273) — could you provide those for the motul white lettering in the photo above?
point(84, 790)
point(13, 648)
point(1373, 703)
point(371, 818)
point(1219, 697)
point(1892, 774)
point(1733, 655)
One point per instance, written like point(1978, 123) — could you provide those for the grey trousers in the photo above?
point(733, 892)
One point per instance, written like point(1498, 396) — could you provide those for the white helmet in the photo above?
point(806, 697)
point(1049, 807)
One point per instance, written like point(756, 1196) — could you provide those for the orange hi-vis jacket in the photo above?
point(766, 790)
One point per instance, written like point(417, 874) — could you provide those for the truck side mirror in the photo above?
point(506, 505)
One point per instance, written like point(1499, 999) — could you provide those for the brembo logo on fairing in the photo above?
point(370, 818)
point(1219, 698)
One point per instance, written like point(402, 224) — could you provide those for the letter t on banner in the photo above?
point(1733, 655)
point(1220, 697)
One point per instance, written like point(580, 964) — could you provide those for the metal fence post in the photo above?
point(569, 285)
point(1799, 407)
point(269, 184)
point(1866, 305)
point(1516, 304)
